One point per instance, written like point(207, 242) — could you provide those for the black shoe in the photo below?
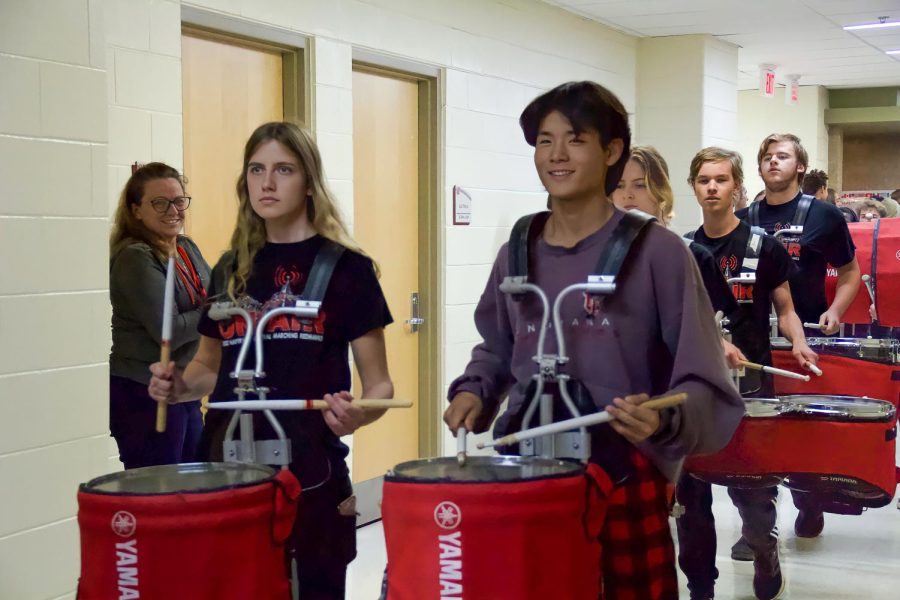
point(768, 581)
point(741, 550)
point(708, 595)
point(809, 523)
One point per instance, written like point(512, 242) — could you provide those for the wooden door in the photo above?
point(386, 224)
point(228, 90)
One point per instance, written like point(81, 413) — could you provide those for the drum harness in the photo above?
point(306, 306)
point(745, 267)
point(551, 367)
point(790, 237)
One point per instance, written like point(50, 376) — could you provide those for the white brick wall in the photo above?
point(54, 317)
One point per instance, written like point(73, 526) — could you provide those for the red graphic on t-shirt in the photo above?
point(728, 263)
point(285, 275)
point(235, 327)
point(292, 323)
point(742, 293)
point(592, 304)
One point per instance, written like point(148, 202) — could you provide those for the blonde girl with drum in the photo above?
point(286, 216)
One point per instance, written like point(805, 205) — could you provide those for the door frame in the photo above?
point(292, 46)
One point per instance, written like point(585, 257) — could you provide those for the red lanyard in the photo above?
point(190, 277)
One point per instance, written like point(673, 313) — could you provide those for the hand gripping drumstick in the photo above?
point(585, 421)
point(774, 371)
point(461, 446)
point(304, 404)
point(166, 337)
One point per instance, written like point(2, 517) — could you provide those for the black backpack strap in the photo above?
point(615, 252)
point(525, 230)
point(322, 270)
point(753, 214)
point(802, 210)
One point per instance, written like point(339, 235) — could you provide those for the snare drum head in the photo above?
point(189, 477)
point(763, 407)
point(849, 407)
point(483, 469)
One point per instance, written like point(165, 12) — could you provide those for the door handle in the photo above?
point(414, 321)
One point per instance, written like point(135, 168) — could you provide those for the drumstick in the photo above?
point(814, 369)
point(166, 337)
point(585, 421)
point(461, 446)
point(305, 404)
point(868, 281)
point(774, 371)
point(814, 326)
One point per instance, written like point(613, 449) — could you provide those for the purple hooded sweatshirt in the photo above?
point(654, 335)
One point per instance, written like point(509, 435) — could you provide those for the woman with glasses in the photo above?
point(145, 232)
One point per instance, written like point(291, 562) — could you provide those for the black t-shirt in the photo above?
point(750, 333)
point(303, 358)
point(826, 240)
point(716, 288)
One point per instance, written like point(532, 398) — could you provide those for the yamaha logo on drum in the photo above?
point(447, 515)
point(124, 523)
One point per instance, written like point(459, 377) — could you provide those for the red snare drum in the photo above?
point(850, 367)
point(498, 528)
point(202, 530)
point(882, 238)
point(840, 447)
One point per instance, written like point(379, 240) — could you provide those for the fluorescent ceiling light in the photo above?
point(892, 52)
point(873, 25)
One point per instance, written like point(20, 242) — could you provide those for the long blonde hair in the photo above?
point(128, 229)
point(250, 232)
point(656, 178)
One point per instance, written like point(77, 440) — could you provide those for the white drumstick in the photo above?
point(774, 370)
point(304, 404)
point(461, 446)
point(814, 369)
point(575, 423)
point(165, 348)
point(814, 326)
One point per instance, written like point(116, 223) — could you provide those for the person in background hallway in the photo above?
point(645, 186)
point(869, 209)
point(715, 175)
point(891, 206)
point(831, 198)
point(815, 184)
point(287, 216)
point(825, 240)
point(145, 231)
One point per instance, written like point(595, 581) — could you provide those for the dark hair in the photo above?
point(814, 181)
point(588, 106)
point(850, 215)
point(127, 229)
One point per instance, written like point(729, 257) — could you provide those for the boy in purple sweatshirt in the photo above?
point(655, 334)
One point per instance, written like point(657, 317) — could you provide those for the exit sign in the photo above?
point(767, 82)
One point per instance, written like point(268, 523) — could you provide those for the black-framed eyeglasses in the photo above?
point(161, 205)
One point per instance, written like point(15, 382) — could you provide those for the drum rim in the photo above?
point(577, 469)
point(861, 400)
point(88, 486)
